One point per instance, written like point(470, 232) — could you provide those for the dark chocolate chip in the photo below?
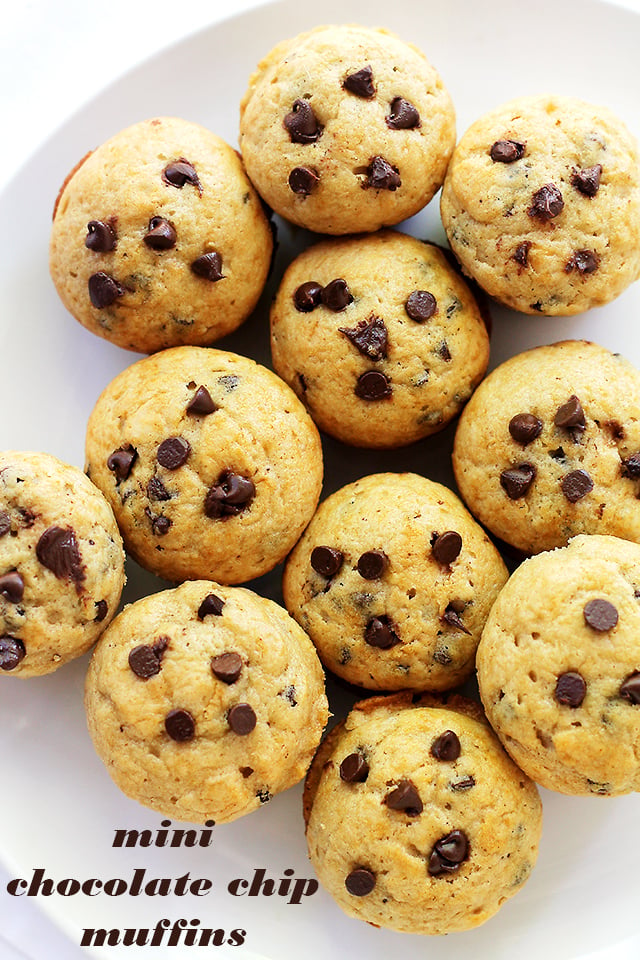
point(180, 725)
point(448, 853)
point(173, 452)
point(465, 784)
point(336, 295)
point(201, 404)
point(570, 415)
point(122, 460)
point(506, 151)
point(576, 485)
point(443, 351)
point(246, 772)
point(521, 253)
point(326, 560)
point(570, 689)
point(558, 454)
point(160, 235)
point(156, 490)
point(524, 428)
point(228, 667)
point(446, 746)
point(104, 290)
point(547, 203)
point(406, 798)
point(373, 385)
point(301, 123)
point(446, 547)
point(421, 305)
point(146, 660)
point(630, 466)
point(12, 586)
point(587, 181)
point(360, 83)
point(58, 551)
point(360, 882)
point(159, 523)
point(516, 481)
point(179, 172)
point(210, 606)
point(11, 652)
point(630, 688)
point(451, 617)
point(373, 564)
point(308, 296)
point(229, 495)
point(369, 337)
point(242, 719)
point(354, 768)
point(403, 116)
point(600, 615)
point(380, 633)
point(584, 261)
point(102, 609)
point(5, 523)
point(303, 180)
point(381, 175)
point(101, 237)
point(208, 266)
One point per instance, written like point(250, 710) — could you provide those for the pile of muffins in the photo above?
point(205, 700)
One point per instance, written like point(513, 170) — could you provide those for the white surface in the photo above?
point(57, 805)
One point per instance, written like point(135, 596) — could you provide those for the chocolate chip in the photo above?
point(228, 667)
point(102, 609)
point(406, 798)
point(630, 466)
point(361, 83)
point(521, 253)
point(517, 480)
point(443, 351)
point(201, 404)
point(524, 428)
point(600, 615)
point(576, 485)
point(584, 261)
point(465, 784)
point(242, 719)
point(301, 123)
point(381, 175)
point(354, 768)
point(11, 652)
point(448, 853)
point(12, 586)
point(104, 290)
point(360, 882)
point(263, 796)
point(369, 337)
point(146, 660)
point(421, 305)
point(210, 606)
point(58, 551)
point(446, 746)
point(373, 564)
point(570, 414)
point(547, 203)
point(180, 725)
point(587, 181)
point(570, 689)
point(373, 385)
point(208, 266)
point(558, 454)
point(451, 617)
point(336, 295)
point(403, 116)
point(5, 523)
point(246, 772)
point(179, 172)
point(308, 296)
point(289, 693)
point(326, 560)
point(630, 688)
point(506, 151)
point(156, 490)
point(173, 452)
point(160, 235)
point(229, 495)
point(380, 633)
point(160, 524)
point(303, 180)
point(101, 237)
point(446, 547)
point(122, 460)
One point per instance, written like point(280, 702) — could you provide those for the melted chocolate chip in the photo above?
point(12, 586)
point(336, 295)
point(11, 652)
point(448, 853)
point(403, 116)
point(201, 405)
point(101, 236)
point(180, 725)
point(576, 485)
point(173, 453)
point(122, 460)
point(587, 181)
point(373, 385)
point(179, 172)
point(380, 633)
point(360, 83)
point(521, 253)
point(600, 615)
point(146, 660)
point(451, 617)
point(547, 203)
point(381, 175)
point(421, 305)
point(517, 480)
point(156, 490)
point(584, 261)
point(229, 495)
point(524, 428)
point(104, 290)
point(102, 609)
point(308, 296)
point(405, 798)
point(301, 123)
point(369, 337)
point(630, 688)
point(228, 667)
point(373, 564)
point(5, 523)
point(58, 551)
point(570, 689)
point(570, 415)
point(446, 747)
point(242, 719)
point(446, 547)
point(160, 235)
point(630, 466)
point(303, 180)
point(506, 151)
point(326, 560)
point(354, 768)
point(210, 606)
point(208, 266)
point(360, 882)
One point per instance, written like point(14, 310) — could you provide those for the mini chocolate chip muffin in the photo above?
point(541, 205)
point(379, 336)
point(159, 239)
point(559, 667)
point(61, 563)
point(393, 581)
point(205, 701)
point(416, 817)
point(345, 127)
point(549, 447)
point(212, 465)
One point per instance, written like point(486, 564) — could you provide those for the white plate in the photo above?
point(58, 807)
